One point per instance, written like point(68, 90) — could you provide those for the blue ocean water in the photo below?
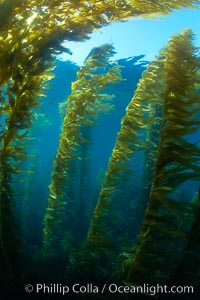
point(121, 222)
point(48, 130)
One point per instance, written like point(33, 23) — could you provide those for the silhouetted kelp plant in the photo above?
point(150, 236)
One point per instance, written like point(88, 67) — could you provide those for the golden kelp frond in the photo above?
point(178, 160)
point(22, 79)
point(84, 105)
point(130, 140)
point(156, 8)
point(103, 52)
point(18, 101)
point(23, 41)
point(22, 21)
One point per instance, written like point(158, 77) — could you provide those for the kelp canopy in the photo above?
point(27, 57)
point(21, 21)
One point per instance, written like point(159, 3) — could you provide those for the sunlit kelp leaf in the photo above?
point(67, 21)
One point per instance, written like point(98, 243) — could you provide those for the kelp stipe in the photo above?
point(84, 203)
point(10, 239)
point(152, 83)
point(84, 105)
point(27, 202)
point(21, 88)
point(14, 141)
point(104, 233)
point(166, 221)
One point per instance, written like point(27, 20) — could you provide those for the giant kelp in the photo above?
point(73, 20)
point(138, 121)
point(150, 151)
point(21, 88)
point(166, 219)
point(25, 60)
point(84, 105)
point(21, 24)
point(152, 124)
